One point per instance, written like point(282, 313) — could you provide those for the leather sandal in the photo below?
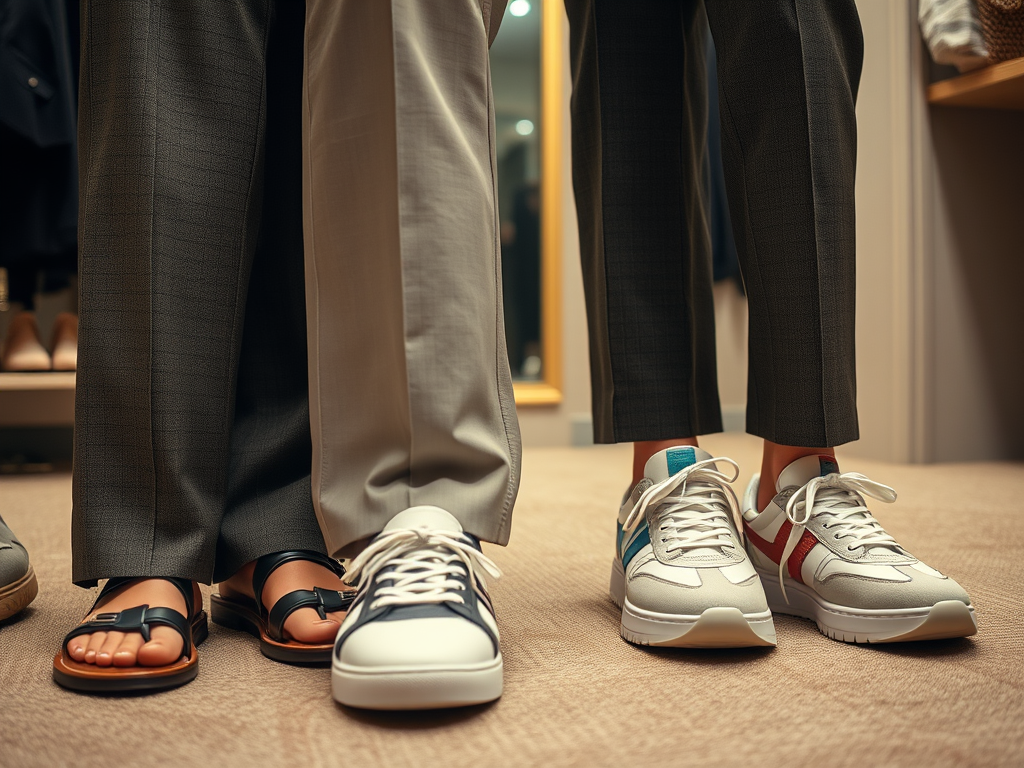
point(79, 676)
point(247, 614)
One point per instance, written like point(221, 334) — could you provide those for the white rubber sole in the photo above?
point(399, 688)
point(724, 627)
point(945, 619)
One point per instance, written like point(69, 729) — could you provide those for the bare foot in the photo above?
point(127, 649)
point(305, 624)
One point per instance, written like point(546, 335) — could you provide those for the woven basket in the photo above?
point(1002, 22)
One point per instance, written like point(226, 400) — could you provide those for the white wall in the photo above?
point(975, 375)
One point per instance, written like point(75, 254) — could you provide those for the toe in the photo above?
point(164, 647)
point(306, 626)
point(77, 646)
point(128, 651)
point(105, 655)
point(96, 640)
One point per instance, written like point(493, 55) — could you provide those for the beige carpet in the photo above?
point(575, 693)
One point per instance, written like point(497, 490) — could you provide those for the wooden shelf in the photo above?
point(44, 399)
point(998, 86)
point(34, 382)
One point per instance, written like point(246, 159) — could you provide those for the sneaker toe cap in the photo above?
point(13, 564)
point(435, 641)
point(919, 591)
point(716, 591)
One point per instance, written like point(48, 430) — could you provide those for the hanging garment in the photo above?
point(38, 124)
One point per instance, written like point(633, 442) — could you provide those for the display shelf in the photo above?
point(30, 382)
point(998, 86)
point(45, 399)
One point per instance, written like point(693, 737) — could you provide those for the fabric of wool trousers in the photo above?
point(410, 390)
point(193, 443)
point(788, 75)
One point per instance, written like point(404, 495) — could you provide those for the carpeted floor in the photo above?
point(575, 693)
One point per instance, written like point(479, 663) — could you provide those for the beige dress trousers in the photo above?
point(410, 394)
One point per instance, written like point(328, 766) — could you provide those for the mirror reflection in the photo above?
point(515, 74)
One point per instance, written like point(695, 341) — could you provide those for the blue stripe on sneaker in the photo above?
point(679, 459)
point(640, 541)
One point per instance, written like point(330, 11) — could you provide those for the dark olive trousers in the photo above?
point(788, 76)
point(192, 437)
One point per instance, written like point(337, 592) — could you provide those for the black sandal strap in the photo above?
point(267, 564)
point(323, 600)
point(137, 619)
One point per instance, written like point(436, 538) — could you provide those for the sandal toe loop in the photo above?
point(331, 601)
point(324, 601)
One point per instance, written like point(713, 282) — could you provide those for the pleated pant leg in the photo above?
point(192, 445)
point(788, 77)
point(410, 390)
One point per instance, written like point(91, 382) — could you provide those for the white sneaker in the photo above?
point(680, 573)
point(421, 632)
point(823, 556)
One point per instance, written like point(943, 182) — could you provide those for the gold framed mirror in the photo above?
point(527, 61)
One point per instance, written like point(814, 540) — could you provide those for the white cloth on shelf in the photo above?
point(953, 33)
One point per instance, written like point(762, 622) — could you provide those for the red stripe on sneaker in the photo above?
point(796, 560)
point(774, 549)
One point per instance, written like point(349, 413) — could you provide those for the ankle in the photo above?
point(239, 583)
point(146, 590)
point(643, 451)
point(775, 459)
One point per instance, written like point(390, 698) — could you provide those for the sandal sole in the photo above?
point(88, 678)
point(240, 618)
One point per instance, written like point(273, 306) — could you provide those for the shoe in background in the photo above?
point(65, 342)
point(23, 349)
point(18, 585)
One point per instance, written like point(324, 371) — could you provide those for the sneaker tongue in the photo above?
point(804, 469)
point(434, 518)
point(671, 461)
point(800, 471)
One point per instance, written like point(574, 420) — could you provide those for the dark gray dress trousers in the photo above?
point(192, 438)
point(788, 77)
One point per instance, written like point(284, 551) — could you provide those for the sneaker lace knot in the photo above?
point(422, 565)
point(840, 498)
point(693, 507)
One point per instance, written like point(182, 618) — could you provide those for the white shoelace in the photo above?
point(696, 504)
point(420, 562)
point(841, 497)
